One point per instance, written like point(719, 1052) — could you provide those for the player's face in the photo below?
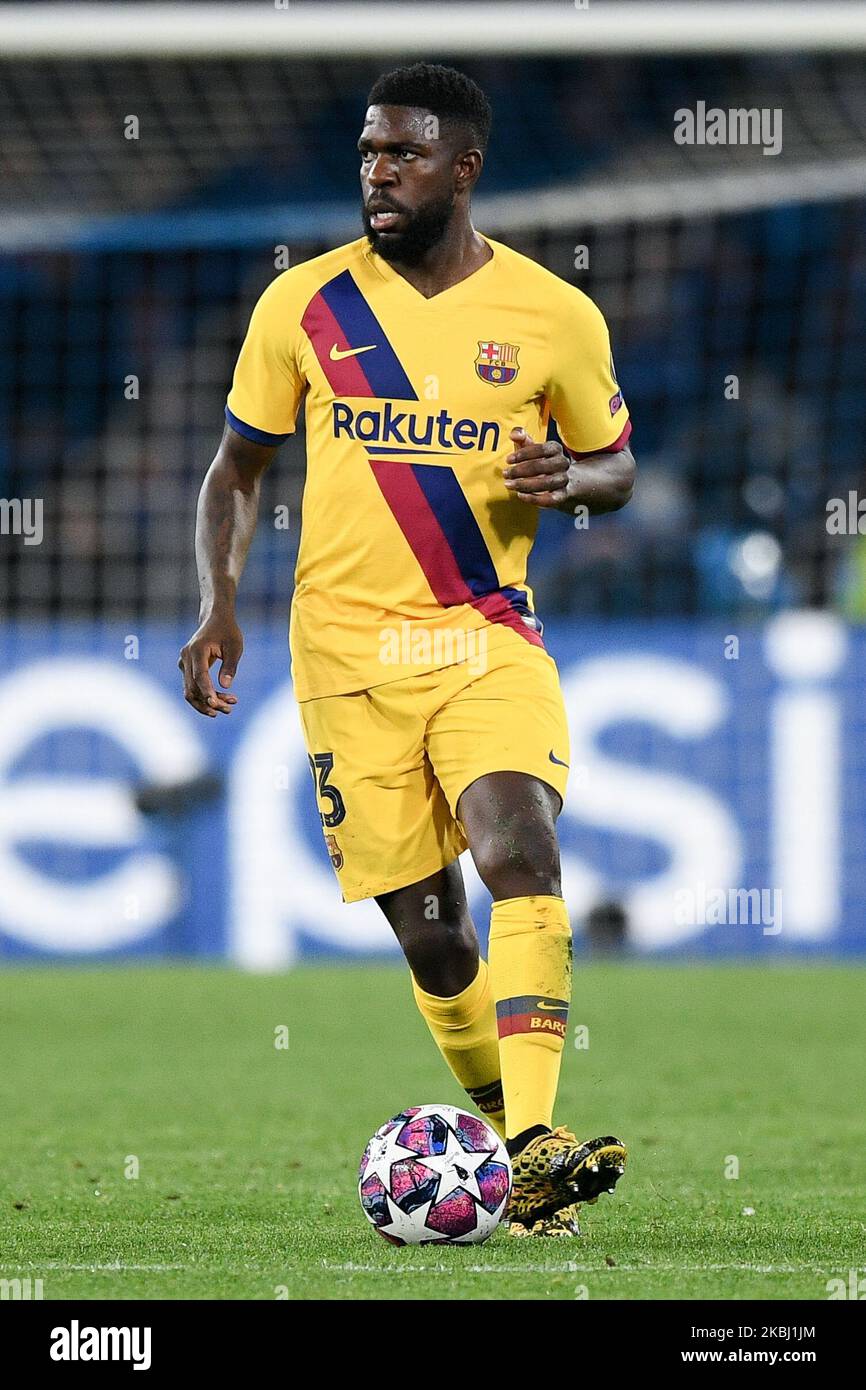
point(408, 182)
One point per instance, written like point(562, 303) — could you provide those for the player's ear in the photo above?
point(468, 167)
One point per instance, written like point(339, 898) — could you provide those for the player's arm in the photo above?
point(228, 507)
point(261, 412)
point(547, 475)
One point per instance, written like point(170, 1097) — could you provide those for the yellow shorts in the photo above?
point(391, 763)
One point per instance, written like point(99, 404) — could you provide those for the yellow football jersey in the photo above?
point(409, 534)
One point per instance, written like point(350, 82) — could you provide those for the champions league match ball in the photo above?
point(435, 1175)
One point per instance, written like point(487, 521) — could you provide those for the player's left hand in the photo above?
point(539, 473)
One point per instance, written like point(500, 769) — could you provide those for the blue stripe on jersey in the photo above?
point(520, 603)
point(454, 514)
point(428, 453)
point(382, 368)
point(250, 431)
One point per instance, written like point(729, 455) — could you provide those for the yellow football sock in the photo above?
point(530, 972)
point(464, 1029)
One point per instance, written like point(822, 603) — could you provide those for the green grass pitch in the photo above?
point(246, 1153)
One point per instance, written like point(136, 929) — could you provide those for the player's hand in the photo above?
point(218, 637)
point(538, 473)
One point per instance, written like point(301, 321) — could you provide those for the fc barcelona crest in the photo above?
point(496, 363)
point(335, 854)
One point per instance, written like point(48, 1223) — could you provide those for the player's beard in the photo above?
point(425, 227)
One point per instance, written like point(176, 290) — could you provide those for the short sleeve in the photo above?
point(268, 386)
point(582, 391)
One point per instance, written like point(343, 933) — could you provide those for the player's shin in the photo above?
point(464, 1029)
point(530, 971)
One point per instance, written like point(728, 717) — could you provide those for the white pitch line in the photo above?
point(570, 1267)
point(351, 1268)
point(573, 1268)
point(92, 1269)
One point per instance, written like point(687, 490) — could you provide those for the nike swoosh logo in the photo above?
point(553, 1008)
point(337, 354)
point(557, 760)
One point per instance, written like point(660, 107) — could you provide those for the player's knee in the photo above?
point(518, 864)
point(443, 956)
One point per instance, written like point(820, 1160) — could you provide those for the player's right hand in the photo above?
point(217, 637)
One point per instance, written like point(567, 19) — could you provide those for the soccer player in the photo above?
point(431, 359)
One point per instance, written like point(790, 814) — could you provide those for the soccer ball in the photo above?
point(434, 1175)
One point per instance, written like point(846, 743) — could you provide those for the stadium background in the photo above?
point(709, 637)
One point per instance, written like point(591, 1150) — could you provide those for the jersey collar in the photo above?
point(387, 273)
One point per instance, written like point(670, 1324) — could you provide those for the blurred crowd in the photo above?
point(740, 338)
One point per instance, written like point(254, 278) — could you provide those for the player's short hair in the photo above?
point(445, 92)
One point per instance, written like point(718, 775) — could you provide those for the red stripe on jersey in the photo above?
point(432, 550)
point(346, 377)
point(497, 609)
point(419, 525)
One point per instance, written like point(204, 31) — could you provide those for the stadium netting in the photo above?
point(734, 284)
